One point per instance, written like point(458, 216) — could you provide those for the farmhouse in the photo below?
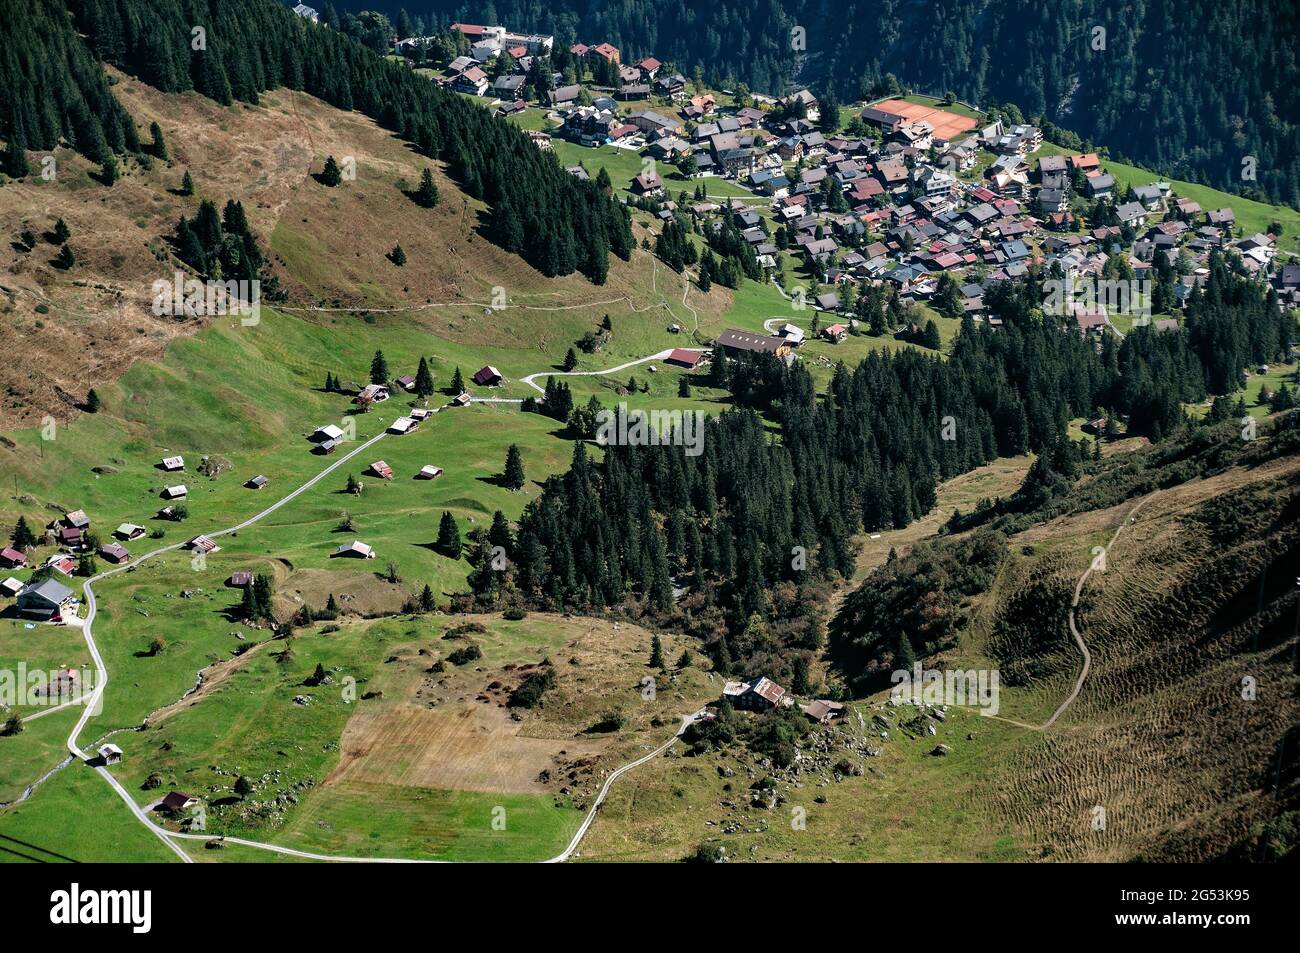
point(44, 600)
point(177, 802)
point(403, 425)
point(12, 559)
point(759, 695)
point(823, 711)
point(835, 333)
point(746, 342)
point(129, 531)
point(355, 549)
point(202, 544)
point(77, 518)
point(115, 553)
point(681, 357)
point(62, 562)
point(487, 376)
point(371, 394)
point(327, 433)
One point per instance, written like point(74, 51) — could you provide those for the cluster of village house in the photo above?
point(901, 203)
point(49, 600)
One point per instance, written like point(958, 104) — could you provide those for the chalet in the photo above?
point(307, 13)
point(177, 492)
point(177, 802)
point(62, 562)
point(11, 587)
point(1131, 213)
point(648, 183)
point(605, 51)
point(420, 413)
point(406, 382)
point(655, 124)
point(77, 518)
point(631, 91)
point(683, 358)
point(1151, 196)
point(509, 88)
point(429, 472)
point(403, 425)
point(11, 558)
point(823, 711)
point(791, 333)
point(758, 695)
point(381, 469)
point(886, 122)
point(68, 535)
point(45, 600)
point(649, 68)
point(473, 81)
point(371, 394)
point(110, 754)
point(563, 95)
point(327, 433)
point(355, 550)
point(829, 301)
point(462, 399)
point(1100, 185)
point(173, 463)
point(1086, 162)
point(202, 544)
point(1221, 217)
point(240, 579)
point(671, 85)
point(487, 376)
point(1052, 200)
point(746, 342)
point(257, 482)
point(588, 126)
point(835, 333)
point(115, 553)
point(129, 531)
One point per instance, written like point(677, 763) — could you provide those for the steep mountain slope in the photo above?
point(1182, 742)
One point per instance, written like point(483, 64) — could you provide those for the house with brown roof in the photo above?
point(760, 694)
point(746, 342)
point(681, 357)
point(487, 376)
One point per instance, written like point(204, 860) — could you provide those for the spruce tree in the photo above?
point(426, 195)
point(397, 256)
point(187, 183)
point(379, 369)
point(92, 402)
point(159, 146)
point(448, 542)
point(60, 233)
point(22, 538)
point(570, 361)
point(656, 652)
point(513, 477)
point(15, 159)
point(65, 259)
point(423, 379)
point(330, 175)
point(457, 383)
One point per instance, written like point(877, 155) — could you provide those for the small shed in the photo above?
point(110, 754)
point(355, 549)
point(177, 492)
point(381, 469)
point(173, 463)
point(429, 472)
point(115, 553)
point(257, 482)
